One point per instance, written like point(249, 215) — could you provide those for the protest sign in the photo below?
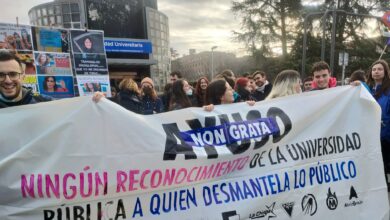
point(30, 81)
point(15, 37)
point(50, 39)
point(75, 159)
point(89, 84)
point(90, 64)
point(56, 86)
point(87, 42)
point(90, 59)
point(53, 63)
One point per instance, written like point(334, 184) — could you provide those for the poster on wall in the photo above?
point(87, 41)
point(89, 84)
point(56, 86)
point(30, 81)
point(53, 63)
point(50, 39)
point(90, 62)
point(15, 37)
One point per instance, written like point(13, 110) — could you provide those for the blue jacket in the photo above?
point(384, 103)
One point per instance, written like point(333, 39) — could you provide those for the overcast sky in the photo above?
point(195, 24)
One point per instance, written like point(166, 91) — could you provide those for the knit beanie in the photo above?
point(147, 80)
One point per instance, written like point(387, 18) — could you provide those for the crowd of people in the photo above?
point(225, 88)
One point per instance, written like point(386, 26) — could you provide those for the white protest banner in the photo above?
point(310, 156)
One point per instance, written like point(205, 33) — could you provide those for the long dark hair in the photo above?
point(179, 96)
point(200, 94)
point(384, 88)
point(45, 83)
point(215, 90)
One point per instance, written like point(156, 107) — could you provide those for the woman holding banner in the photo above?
point(379, 82)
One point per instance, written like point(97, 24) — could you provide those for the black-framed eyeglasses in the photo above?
point(11, 75)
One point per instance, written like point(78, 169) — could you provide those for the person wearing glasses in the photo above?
point(12, 92)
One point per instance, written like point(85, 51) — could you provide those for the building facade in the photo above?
point(196, 65)
point(135, 21)
point(61, 13)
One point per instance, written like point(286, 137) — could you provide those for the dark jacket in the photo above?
point(384, 103)
point(130, 101)
point(28, 97)
point(261, 93)
point(150, 106)
point(244, 95)
point(193, 99)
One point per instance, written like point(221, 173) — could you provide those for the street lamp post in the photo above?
point(212, 61)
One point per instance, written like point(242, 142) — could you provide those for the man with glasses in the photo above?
point(263, 86)
point(12, 92)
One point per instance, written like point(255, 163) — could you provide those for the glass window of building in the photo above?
point(76, 17)
point(44, 12)
point(59, 19)
point(45, 21)
point(66, 18)
point(50, 10)
point(74, 7)
point(76, 25)
point(39, 23)
point(65, 9)
point(52, 20)
point(39, 12)
point(67, 25)
point(32, 15)
point(57, 9)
